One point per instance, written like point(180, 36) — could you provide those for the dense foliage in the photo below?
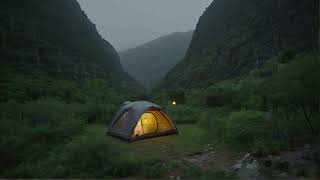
point(53, 83)
point(38, 115)
point(271, 108)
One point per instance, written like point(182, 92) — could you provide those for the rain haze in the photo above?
point(129, 23)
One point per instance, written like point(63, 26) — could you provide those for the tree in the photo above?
point(296, 88)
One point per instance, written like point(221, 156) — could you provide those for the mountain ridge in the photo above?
point(232, 37)
point(160, 55)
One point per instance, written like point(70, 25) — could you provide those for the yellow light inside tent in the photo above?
point(174, 103)
point(147, 118)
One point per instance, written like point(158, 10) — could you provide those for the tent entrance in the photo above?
point(147, 124)
point(152, 122)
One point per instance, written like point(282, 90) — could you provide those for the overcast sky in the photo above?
point(129, 23)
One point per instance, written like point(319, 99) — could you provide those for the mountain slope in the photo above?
point(44, 42)
point(234, 36)
point(150, 62)
point(57, 75)
point(55, 36)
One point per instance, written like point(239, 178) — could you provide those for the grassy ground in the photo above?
point(93, 154)
point(188, 141)
point(185, 155)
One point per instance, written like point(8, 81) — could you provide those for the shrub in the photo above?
point(83, 157)
point(294, 89)
point(245, 130)
point(242, 93)
point(214, 119)
point(246, 127)
point(195, 97)
point(184, 114)
point(166, 96)
point(287, 55)
point(220, 95)
point(98, 112)
point(35, 127)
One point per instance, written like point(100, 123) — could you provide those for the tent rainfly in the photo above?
point(140, 120)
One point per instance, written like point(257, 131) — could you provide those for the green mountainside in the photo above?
point(55, 38)
point(45, 43)
point(233, 37)
point(57, 75)
point(150, 62)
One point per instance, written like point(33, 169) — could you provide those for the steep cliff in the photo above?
point(233, 37)
point(55, 37)
point(150, 62)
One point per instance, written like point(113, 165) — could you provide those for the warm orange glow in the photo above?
point(151, 122)
point(174, 103)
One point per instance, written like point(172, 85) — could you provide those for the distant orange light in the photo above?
point(174, 103)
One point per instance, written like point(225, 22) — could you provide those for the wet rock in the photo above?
point(307, 146)
point(246, 156)
point(247, 166)
point(283, 175)
point(252, 165)
point(241, 163)
point(236, 167)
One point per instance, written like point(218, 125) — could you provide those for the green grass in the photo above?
point(188, 141)
point(93, 154)
point(156, 156)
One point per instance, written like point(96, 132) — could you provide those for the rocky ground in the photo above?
point(296, 163)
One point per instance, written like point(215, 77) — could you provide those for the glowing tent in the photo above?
point(139, 120)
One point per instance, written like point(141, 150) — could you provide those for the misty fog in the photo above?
point(129, 23)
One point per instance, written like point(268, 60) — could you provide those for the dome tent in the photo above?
point(140, 120)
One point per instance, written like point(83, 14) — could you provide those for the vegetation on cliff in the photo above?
point(233, 37)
